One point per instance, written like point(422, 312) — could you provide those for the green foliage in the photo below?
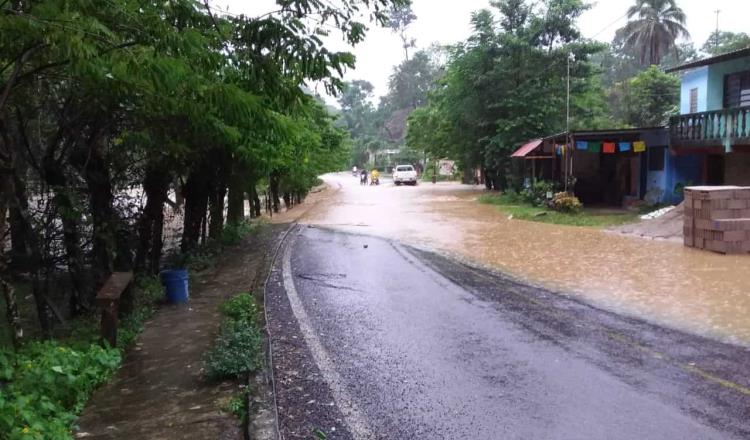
point(537, 193)
point(233, 234)
point(566, 202)
point(507, 84)
point(650, 98)
point(723, 42)
point(45, 385)
point(242, 308)
point(653, 28)
point(238, 347)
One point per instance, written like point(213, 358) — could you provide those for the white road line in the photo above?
point(353, 416)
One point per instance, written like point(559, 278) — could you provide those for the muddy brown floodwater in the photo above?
point(661, 281)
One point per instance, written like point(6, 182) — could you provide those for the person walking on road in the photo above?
point(363, 177)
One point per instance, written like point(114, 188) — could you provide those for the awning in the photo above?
point(527, 148)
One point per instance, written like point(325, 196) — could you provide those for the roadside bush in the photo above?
point(45, 384)
point(233, 234)
point(536, 194)
point(236, 351)
point(567, 203)
point(242, 308)
point(238, 348)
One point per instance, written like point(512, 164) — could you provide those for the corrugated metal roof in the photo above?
point(741, 53)
point(527, 148)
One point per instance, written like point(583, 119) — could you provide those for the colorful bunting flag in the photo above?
point(560, 149)
point(624, 146)
point(582, 145)
point(595, 147)
point(639, 146)
point(609, 147)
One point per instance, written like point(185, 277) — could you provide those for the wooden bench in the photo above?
point(114, 297)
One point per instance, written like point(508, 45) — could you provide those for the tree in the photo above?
point(411, 81)
point(98, 101)
point(507, 84)
point(723, 42)
point(401, 17)
point(653, 29)
point(650, 98)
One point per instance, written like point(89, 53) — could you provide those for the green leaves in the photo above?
point(47, 384)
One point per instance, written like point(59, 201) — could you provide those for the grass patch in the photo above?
point(45, 384)
point(512, 204)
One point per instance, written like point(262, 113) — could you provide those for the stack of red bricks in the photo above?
point(717, 218)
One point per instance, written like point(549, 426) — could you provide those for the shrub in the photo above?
point(238, 348)
point(536, 194)
point(233, 234)
point(45, 384)
point(241, 308)
point(237, 351)
point(564, 202)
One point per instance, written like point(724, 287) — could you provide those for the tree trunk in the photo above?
point(255, 210)
point(151, 224)
point(196, 203)
point(274, 191)
point(14, 192)
point(216, 203)
point(236, 199)
point(19, 232)
point(70, 216)
point(11, 312)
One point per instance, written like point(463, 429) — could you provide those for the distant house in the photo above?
point(710, 139)
point(707, 144)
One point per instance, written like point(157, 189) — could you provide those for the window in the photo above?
point(737, 90)
point(694, 100)
point(405, 168)
point(656, 158)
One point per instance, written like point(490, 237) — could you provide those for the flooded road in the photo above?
point(663, 282)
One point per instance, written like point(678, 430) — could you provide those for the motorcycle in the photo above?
point(375, 181)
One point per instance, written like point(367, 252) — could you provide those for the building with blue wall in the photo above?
point(709, 142)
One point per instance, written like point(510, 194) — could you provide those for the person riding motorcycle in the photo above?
point(375, 177)
point(363, 177)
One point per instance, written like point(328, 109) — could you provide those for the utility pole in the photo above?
point(716, 35)
point(567, 98)
point(567, 151)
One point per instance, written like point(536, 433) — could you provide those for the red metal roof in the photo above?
point(527, 148)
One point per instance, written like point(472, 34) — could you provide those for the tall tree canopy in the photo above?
point(109, 109)
point(507, 84)
point(722, 42)
point(653, 29)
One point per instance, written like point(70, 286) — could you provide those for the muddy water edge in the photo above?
point(663, 282)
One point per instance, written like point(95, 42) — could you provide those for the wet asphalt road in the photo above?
point(408, 344)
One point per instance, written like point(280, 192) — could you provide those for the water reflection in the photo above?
point(685, 288)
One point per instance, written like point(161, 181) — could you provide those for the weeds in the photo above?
point(45, 384)
point(238, 347)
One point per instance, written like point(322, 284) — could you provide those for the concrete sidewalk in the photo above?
point(159, 392)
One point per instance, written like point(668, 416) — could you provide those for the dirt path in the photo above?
point(159, 392)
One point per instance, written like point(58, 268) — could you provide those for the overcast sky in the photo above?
point(447, 21)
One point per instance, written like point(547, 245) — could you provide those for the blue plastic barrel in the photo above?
point(176, 284)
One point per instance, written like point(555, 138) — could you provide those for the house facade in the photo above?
point(710, 139)
point(603, 167)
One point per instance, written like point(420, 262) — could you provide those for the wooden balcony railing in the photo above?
point(713, 127)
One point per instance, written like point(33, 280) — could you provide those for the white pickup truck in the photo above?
point(404, 174)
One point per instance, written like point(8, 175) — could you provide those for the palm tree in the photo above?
point(656, 27)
